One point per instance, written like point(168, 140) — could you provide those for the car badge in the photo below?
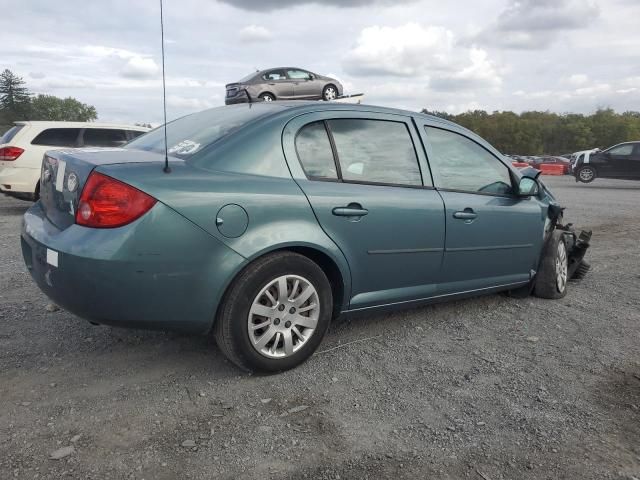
point(72, 182)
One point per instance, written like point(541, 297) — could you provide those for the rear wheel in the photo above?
point(275, 314)
point(267, 97)
point(551, 280)
point(586, 174)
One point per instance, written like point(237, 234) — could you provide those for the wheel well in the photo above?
point(36, 193)
point(325, 262)
point(330, 269)
point(330, 85)
point(267, 93)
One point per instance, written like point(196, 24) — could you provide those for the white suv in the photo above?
point(22, 148)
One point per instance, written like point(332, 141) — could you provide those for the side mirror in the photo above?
point(311, 77)
point(528, 187)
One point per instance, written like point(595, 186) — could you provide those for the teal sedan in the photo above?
point(275, 219)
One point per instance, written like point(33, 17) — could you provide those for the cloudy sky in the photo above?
point(559, 55)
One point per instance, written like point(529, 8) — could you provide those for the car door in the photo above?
point(363, 177)
point(635, 163)
point(619, 161)
point(303, 84)
point(493, 237)
point(277, 82)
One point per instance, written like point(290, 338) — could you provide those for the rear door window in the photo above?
point(275, 75)
point(314, 152)
point(104, 137)
point(57, 137)
point(375, 151)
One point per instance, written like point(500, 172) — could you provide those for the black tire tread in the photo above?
point(222, 326)
point(545, 281)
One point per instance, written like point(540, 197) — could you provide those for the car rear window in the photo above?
point(57, 137)
point(134, 134)
point(188, 135)
point(104, 137)
point(9, 134)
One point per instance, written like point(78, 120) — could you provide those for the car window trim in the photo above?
point(314, 177)
point(366, 182)
point(509, 171)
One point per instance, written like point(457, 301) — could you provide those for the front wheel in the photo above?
point(586, 174)
point(275, 314)
point(329, 93)
point(551, 280)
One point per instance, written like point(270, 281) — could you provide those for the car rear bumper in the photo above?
point(240, 97)
point(159, 272)
point(18, 180)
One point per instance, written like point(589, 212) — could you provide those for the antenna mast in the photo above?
point(166, 168)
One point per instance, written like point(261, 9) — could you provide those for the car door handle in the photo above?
point(466, 214)
point(351, 210)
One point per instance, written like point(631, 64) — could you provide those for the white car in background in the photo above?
point(23, 146)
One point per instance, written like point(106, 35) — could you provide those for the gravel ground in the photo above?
point(488, 388)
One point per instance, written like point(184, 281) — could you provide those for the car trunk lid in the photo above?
point(65, 172)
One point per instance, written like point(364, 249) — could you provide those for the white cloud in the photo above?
point(578, 79)
point(427, 53)
point(254, 34)
point(408, 50)
point(536, 24)
point(140, 67)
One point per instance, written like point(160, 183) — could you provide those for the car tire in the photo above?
point(259, 335)
point(267, 97)
point(586, 174)
point(329, 92)
point(553, 275)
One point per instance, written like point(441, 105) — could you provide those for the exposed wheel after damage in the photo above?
point(275, 314)
point(551, 280)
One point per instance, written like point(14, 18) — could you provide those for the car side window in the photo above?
point(314, 151)
point(459, 163)
point(57, 137)
point(134, 134)
point(375, 151)
point(104, 137)
point(298, 74)
point(622, 150)
point(275, 75)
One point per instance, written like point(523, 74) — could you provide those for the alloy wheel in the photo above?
point(562, 267)
point(586, 174)
point(283, 316)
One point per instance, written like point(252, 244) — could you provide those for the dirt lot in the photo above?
point(488, 388)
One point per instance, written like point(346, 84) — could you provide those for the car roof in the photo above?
point(51, 124)
point(307, 106)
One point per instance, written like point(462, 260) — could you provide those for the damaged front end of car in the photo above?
point(577, 244)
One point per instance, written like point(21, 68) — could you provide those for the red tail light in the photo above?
point(108, 203)
point(9, 154)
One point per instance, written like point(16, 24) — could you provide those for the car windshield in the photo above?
point(189, 135)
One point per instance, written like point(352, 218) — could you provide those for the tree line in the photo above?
point(547, 133)
point(18, 103)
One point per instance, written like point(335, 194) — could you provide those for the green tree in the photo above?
point(538, 133)
point(14, 97)
point(49, 107)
